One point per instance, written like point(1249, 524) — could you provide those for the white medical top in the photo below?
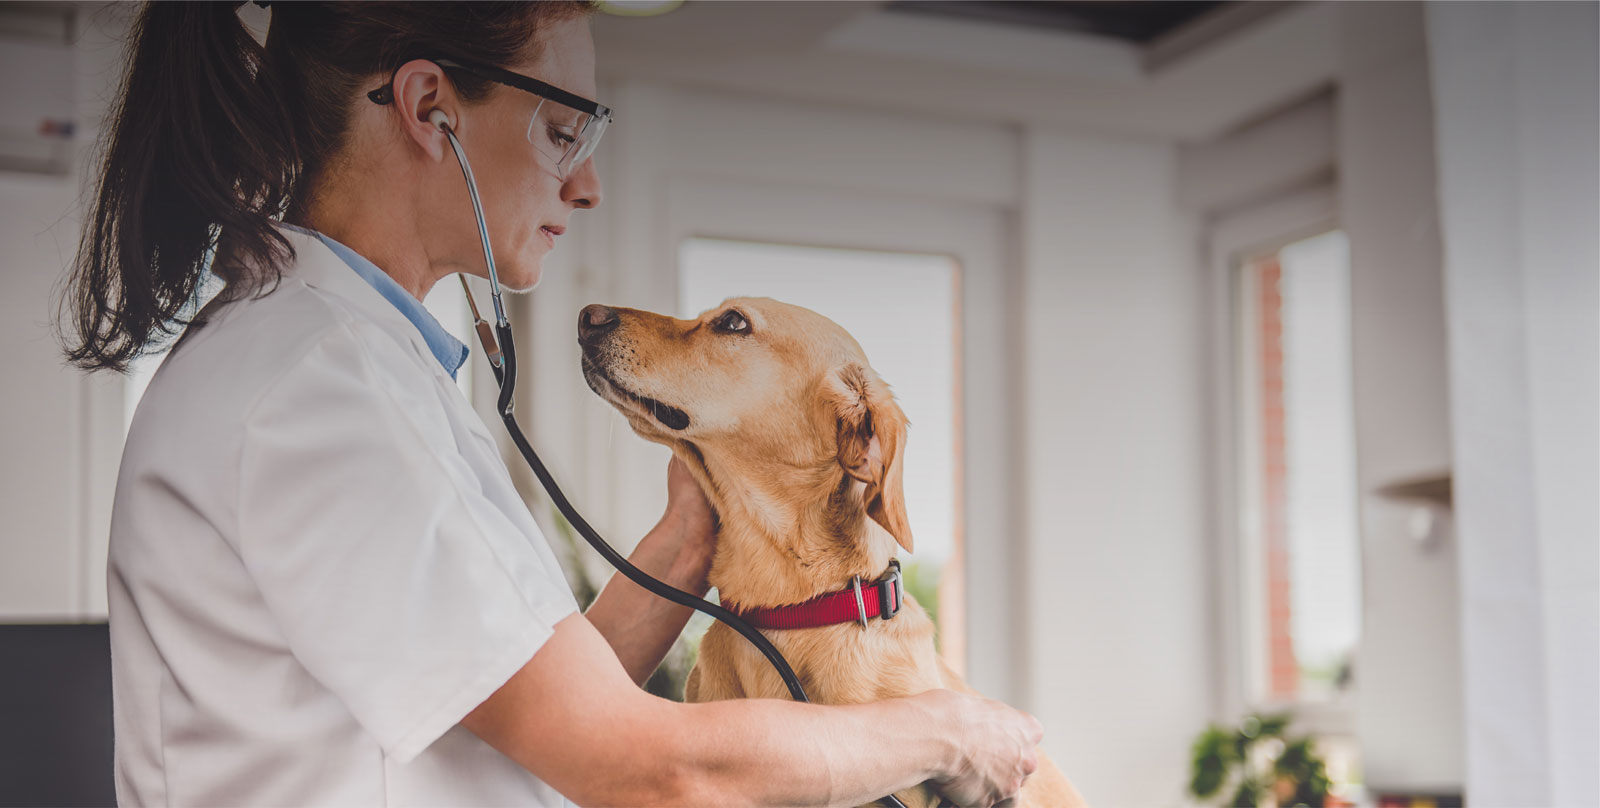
point(318, 564)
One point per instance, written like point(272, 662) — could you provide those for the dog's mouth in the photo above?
point(610, 389)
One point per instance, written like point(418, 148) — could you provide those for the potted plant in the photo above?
point(1261, 764)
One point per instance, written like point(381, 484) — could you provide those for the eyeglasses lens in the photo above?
point(564, 135)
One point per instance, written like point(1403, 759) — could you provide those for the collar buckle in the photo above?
point(861, 605)
point(891, 593)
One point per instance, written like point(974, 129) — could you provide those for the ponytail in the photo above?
point(212, 137)
point(197, 153)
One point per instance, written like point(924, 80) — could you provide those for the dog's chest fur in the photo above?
point(837, 664)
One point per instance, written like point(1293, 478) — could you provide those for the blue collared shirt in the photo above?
point(450, 351)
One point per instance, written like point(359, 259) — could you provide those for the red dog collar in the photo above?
point(856, 602)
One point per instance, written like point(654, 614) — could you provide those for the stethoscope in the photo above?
point(501, 352)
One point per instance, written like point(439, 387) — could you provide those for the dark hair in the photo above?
point(213, 136)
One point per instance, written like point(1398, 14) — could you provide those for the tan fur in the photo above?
point(799, 445)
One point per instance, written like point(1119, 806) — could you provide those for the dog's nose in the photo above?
point(595, 321)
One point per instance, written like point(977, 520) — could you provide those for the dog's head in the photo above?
point(772, 406)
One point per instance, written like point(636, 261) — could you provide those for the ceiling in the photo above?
point(1139, 21)
point(1153, 70)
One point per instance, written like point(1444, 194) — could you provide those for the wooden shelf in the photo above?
point(1434, 488)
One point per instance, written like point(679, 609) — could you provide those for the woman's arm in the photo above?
point(639, 626)
point(572, 718)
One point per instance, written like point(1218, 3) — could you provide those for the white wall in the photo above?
point(1408, 670)
point(1288, 151)
point(1515, 93)
point(40, 482)
point(1111, 406)
point(59, 431)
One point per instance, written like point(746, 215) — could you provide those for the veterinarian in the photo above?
point(323, 586)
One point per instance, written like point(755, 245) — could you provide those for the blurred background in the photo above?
point(1250, 349)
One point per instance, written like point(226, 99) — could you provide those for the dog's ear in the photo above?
point(871, 432)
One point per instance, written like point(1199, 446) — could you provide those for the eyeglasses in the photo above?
point(563, 127)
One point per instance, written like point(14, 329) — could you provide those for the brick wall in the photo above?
point(1283, 671)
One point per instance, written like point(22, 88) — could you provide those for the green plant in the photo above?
point(1243, 757)
point(922, 581)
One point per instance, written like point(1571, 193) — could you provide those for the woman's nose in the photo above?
point(595, 321)
point(582, 187)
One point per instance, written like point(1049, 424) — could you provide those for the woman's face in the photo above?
point(526, 201)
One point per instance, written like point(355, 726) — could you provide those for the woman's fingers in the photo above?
point(999, 748)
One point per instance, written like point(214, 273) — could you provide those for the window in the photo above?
point(901, 307)
point(1300, 552)
point(1299, 549)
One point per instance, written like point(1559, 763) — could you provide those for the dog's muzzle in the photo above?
point(594, 373)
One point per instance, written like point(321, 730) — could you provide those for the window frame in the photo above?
point(1231, 240)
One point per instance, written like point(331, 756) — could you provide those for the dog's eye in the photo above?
point(731, 322)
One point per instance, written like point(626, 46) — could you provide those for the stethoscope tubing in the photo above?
point(500, 320)
point(505, 374)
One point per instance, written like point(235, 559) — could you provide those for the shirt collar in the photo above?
point(450, 351)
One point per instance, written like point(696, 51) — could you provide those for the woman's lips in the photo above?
point(550, 232)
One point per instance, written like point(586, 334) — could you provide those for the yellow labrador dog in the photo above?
point(798, 444)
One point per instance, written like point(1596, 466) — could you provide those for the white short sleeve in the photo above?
point(396, 583)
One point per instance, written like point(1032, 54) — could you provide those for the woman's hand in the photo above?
point(689, 514)
point(996, 748)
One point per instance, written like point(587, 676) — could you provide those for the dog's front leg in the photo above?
point(709, 681)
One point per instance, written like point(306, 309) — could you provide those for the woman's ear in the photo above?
point(419, 91)
point(871, 432)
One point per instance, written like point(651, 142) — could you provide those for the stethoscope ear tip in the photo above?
point(438, 118)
